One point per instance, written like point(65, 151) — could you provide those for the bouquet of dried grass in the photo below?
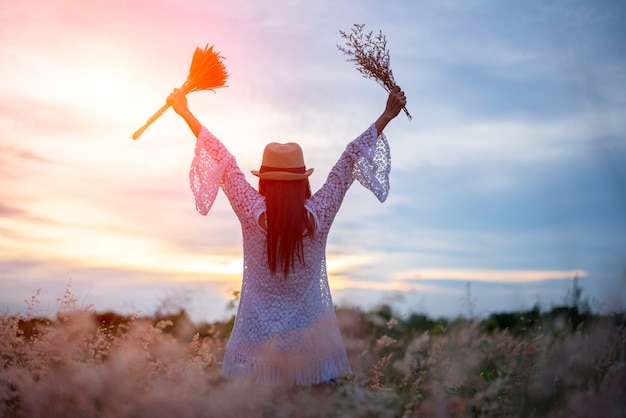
point(370, 54)
point(207, 72)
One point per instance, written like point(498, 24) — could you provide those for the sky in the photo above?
point(509, 182)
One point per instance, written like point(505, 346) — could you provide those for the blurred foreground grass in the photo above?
point(566, 362)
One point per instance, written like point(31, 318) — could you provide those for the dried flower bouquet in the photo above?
point(370, 54)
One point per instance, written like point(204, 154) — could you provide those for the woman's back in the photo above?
point(292, 314)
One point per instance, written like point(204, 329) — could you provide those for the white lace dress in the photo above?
point(285, 330)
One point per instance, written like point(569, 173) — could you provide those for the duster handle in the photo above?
point(152, 119)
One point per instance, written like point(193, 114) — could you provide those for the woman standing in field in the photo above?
point(285, 331)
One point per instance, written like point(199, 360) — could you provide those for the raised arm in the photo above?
point(395, 102)
point(178, 101)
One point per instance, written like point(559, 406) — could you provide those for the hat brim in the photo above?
point(282, 175)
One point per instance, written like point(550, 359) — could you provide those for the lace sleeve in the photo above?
point(372, 162)
point(214, 167)
point(366, 159)
point(207, 169)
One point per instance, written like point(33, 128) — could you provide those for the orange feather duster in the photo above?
point(207, 72)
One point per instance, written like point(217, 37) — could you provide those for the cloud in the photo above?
point(24, 116)
point(9, 211)
point(22, 154)
point(506, 276)
point(122, 290)
point(488, 141)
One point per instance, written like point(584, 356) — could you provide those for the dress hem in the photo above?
point(318, 370)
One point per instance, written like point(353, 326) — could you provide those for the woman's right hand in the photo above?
point(178, 100)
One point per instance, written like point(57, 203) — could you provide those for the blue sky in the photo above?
point(511, 176)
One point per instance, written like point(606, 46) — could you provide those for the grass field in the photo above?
point(566, 362)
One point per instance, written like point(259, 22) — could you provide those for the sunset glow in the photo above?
point(507, 177)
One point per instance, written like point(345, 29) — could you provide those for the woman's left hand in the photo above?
point(395, 102)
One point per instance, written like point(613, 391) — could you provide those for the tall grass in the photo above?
point(84, 364)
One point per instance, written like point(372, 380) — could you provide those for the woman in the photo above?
point(285, 331)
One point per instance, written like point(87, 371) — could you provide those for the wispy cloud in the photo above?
point(534, 139)
point(505, 276)
point(22, 154)
point(8, 211)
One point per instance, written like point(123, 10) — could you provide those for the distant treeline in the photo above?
point(557, 319)
point(565, 318)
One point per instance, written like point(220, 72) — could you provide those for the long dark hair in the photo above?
point(287, 222)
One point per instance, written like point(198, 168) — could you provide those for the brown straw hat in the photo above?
point(283, 162)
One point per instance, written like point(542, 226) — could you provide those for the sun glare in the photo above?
point(101, 83)
point(223, 265)
point(105, 87)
